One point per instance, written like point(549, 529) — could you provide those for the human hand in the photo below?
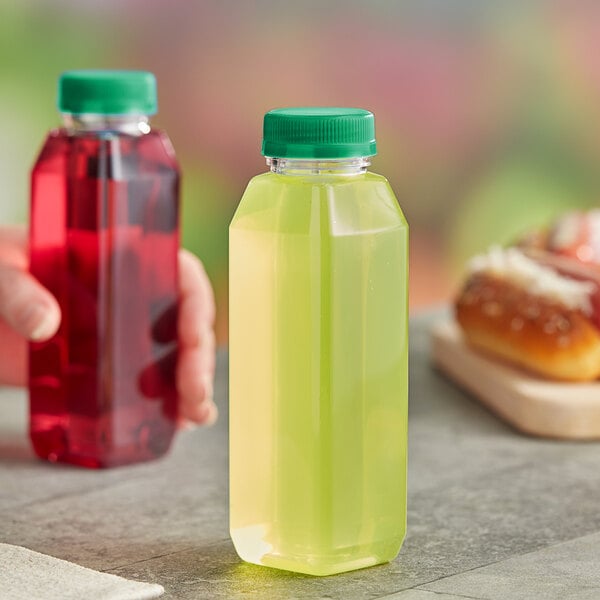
point(29, 312)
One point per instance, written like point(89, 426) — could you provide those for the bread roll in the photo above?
point(531, 315)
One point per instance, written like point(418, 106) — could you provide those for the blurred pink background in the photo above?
point(487, 113)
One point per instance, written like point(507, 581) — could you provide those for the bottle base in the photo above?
point(256, 550)
point(52, 445)
point(317, 566)
point(90, 462)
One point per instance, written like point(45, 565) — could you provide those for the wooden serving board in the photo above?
point(531, 404)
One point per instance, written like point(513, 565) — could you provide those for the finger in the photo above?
point(13, 246)
point(26, 306)
point(195, 386)
point(13, 357)
point(197, 303)
point(207, 415)
point(195, 374)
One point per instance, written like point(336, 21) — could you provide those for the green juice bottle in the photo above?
point(318, 351)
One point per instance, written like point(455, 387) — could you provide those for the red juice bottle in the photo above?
point(104, 239)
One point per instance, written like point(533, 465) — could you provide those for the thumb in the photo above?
point(27, 306)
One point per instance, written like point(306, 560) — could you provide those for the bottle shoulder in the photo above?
point(150, 151)
point(296, 203)
point(272, 187)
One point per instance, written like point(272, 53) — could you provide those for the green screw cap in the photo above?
point(107, 92)
point(319, 133)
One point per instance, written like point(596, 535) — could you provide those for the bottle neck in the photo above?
point(87, 123)
point(296, 166)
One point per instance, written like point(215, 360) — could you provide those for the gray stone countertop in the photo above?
point(492, 514)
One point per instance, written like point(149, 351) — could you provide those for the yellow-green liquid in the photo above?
point(318, 373)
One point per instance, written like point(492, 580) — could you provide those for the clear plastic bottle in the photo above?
point(318, 351)
point(104, 240)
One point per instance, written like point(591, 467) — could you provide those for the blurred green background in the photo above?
point(487, 112)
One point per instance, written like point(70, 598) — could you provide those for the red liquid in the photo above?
point(104, 241)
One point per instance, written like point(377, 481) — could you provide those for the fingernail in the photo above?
point(187, 425)
point(206, 413)
point(45, 327)
point(204, 333)
point(212, 415)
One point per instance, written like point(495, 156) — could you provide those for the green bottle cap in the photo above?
point(107, 92)
point(319, 133)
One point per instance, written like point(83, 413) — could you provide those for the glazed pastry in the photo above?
point(533, 312)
